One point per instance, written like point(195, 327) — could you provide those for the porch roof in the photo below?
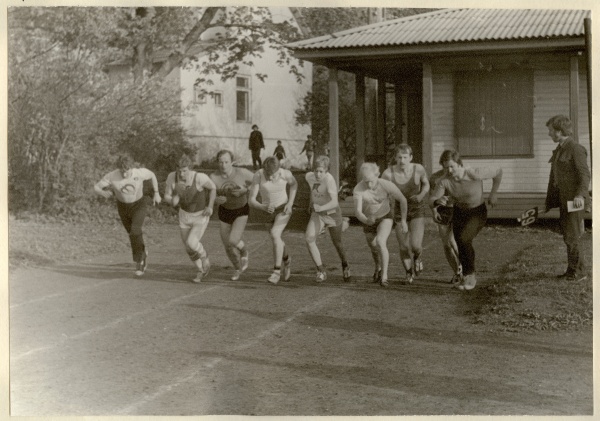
point(450, 32)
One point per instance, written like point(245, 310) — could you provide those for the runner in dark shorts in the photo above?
point(372, 207)
point(412, 181)
point(232, 198)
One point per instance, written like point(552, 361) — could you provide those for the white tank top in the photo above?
point(273, 192)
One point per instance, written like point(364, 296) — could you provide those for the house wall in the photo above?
point(273, 103)
point(551, 92)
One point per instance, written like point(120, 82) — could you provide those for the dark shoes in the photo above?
point(572, 276)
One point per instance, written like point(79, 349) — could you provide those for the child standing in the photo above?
point(279, 152)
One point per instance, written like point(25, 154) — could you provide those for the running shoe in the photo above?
point(244, 261)
point(286, 268)
point(198, 277)
point(384, 283)
point(236, 275)
point(456, 279)
point(346, 274)
point(275, 277)
point(376, 276)
point(469, 283)
point(142, 264)
point(205, 265)
point(409, 278)
point(321, 276)
point(418, 268)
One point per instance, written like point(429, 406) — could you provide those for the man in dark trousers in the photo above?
point(569, 181)
point(255, 144)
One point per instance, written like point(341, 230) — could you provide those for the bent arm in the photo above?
point(253, 192)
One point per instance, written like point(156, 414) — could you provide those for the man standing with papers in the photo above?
point(569, 182)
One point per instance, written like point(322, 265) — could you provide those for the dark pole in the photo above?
point(587, 25)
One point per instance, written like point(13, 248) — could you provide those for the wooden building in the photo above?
point(483, 81)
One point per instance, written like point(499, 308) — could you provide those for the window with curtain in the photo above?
point(494, 113)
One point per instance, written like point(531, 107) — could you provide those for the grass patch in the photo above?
point(530, 297)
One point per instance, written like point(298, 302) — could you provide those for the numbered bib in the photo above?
point(528, 217)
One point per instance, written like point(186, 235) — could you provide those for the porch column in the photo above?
point(574, 96)
point(381, 111)
point(334, 126)
point(398, 114)
point(360, 122)
point(427, 118)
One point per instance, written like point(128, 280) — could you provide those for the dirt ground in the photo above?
point(89, 338)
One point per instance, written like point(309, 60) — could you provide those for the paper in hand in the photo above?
point(571, 207)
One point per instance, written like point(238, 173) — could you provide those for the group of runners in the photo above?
point(400, 199)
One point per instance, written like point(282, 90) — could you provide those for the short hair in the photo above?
point(224, 152)
point(184, 161)
point(125, 162)
point(279, 142)
point(450, 155)
point(321, 161)
point(561, 123)
point(254, 126)
point(271, 164)
point(369, 166)
point(402, 148)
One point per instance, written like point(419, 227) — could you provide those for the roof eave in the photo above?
point(549, 44)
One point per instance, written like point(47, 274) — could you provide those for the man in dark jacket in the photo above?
point(569, 181)
point(255, 144)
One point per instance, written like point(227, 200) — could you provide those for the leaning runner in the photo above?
point(186, 189)
point(232, 197)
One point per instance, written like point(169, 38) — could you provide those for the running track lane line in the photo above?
point(130, 409)
point(110, 325)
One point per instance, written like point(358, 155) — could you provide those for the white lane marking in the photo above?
point(110, 325)
point(60, 294)
point(210, 364)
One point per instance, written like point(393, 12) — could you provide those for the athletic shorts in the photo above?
point(414, 211)
point(192, 219)
point(328, 219)
point(230, 215)
point(271, 216)
point(372, 229)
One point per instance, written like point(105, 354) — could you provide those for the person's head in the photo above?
point(279, 142)
point(559, 128)
point(369, 172)
point(184, 165)
point(254, 127)
point(452, 163)
point(321, 166)
point(125, 164)
point(225, 161)
point(403, 154)
point(270, 165)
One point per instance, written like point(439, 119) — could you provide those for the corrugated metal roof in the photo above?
point(456, 25)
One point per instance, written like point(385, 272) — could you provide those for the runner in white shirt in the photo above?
point(186, 189)
point(272, 182)
point(126, 184)
point(325, 212)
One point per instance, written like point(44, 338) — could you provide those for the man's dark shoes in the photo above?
point(572, 276)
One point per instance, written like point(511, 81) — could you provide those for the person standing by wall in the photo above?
point(309, 148)
point(569, 181)
point(463, 186)
point(255, 144)
point(185, 189)
point(126, 185)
